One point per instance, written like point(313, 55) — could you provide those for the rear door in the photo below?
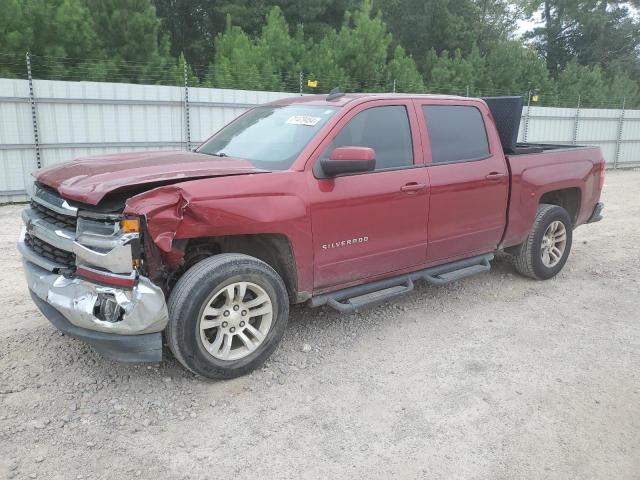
point(373, 223)
point(468, 176)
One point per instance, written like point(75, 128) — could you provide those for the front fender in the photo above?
point(239, 205)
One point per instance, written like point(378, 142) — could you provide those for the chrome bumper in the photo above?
point(144, 306)
point(98, 245)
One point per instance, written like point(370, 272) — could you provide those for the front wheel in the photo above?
point(227, 314)
point(545, 251)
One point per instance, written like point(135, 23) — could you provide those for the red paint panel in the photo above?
point(88, 180)
point(234, 205)
point(534, 175)
point(364, 225)
point(353, 153)
point(368, 224)
point(468, 211)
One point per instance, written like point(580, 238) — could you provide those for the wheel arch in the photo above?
point(568, 198)
point(275, 249)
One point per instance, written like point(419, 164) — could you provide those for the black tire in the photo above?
point(527, 257)
point(188, 299)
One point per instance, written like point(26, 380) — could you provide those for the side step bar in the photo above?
point(355, 298)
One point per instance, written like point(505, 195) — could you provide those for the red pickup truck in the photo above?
point(338, 200)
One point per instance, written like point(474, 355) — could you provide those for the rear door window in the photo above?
point(456, 133)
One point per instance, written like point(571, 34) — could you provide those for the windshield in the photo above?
point(270, 137)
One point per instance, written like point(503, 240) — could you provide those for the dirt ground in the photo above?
point(495, 377)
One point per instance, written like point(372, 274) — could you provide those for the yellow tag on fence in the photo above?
point(312, 83)
point(535, 98)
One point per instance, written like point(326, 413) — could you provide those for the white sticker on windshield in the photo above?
point(307, 120)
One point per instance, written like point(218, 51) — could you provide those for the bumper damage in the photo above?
point(71, 305)
point(80, 270)
point(121, 348)
point(142, 308)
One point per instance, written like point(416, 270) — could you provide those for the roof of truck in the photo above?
point(321, 100)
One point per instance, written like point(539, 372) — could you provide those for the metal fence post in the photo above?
point(525, 134)
point(34, 113)
point(467, 90)
point(394, 85)
point(300, 77)
point(576, 122)
point(616, 159)
point(187, 123)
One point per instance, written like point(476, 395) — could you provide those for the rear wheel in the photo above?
point(227, 314)
point(545, 251)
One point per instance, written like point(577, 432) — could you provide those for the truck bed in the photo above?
point(531, 148)
point(540, 168)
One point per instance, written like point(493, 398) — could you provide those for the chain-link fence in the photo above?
point(43, 122)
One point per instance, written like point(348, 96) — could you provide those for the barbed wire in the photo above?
point(12, 65)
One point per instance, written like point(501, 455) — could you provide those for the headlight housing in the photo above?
point(108, 241)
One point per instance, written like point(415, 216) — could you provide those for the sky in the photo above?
point(527, 25)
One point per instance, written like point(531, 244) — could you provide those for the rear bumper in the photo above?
point(596, 216)
point(121, 348)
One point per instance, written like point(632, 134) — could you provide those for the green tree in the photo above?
point(129, 35)
point(419, 25)
point(358, 57)
point(510, 68)
point(590, 32)
point(321, 63)
point(450, 73)
point(49, 29)
point(515, 68)
point(240, 62)
point(355, 58)
point(403, 74)
point(588, 83)
point(363, 47)
point(595, 88)
point(276, 43)
point(621, 85)
point(191, 27)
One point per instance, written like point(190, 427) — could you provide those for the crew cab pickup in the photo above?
point(338, 200)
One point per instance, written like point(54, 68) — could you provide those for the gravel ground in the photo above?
point(496, 377)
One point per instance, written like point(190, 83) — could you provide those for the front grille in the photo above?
point(63, 221)
point(56, 255)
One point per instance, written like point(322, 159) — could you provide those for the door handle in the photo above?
point(412, 187)
point(495, 176)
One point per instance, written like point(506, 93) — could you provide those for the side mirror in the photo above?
point(349, 160)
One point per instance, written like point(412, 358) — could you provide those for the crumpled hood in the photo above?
point(89, 179)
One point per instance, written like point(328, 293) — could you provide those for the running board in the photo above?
point(361, 296)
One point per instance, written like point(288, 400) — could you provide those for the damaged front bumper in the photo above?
point(91, 290)
point(71, 304)
point(143, 308)
point(121, 348)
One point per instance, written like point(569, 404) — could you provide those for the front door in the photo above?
point(372, 223)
